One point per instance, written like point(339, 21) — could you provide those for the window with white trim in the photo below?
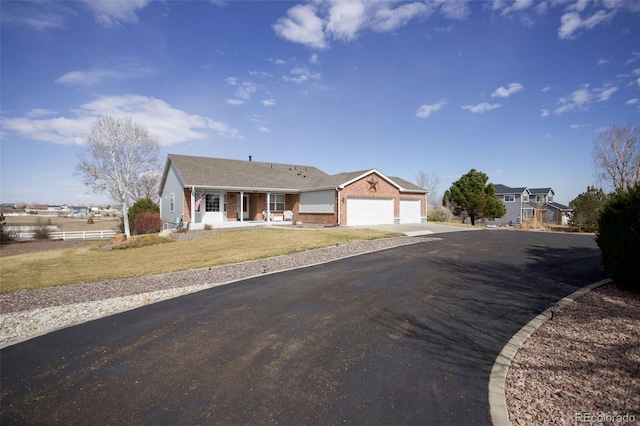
point(527, 214)
point(509, 198)
point(172, 203)
point(212, 203)
point(276, 202)
point(525, 198)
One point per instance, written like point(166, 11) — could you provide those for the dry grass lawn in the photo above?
point(92, 263)
point(65, 223)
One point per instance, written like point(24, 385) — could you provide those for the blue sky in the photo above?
point(516, 89)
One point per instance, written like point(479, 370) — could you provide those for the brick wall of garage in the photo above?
point(360, 188)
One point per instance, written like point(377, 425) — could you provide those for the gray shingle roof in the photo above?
point(504, 189)
point(543, 191)
point(218, 172)
point(224, 173)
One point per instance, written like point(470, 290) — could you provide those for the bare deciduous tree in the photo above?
point(616, 156)
point(119, 151)
point(429, 182)
point(147, 187)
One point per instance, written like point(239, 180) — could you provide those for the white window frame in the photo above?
point(525, 198)
point(275, 202)
point(511, 200)
point(172, 203)
point(210, 203)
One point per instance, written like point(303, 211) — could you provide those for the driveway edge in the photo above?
point(498, 378)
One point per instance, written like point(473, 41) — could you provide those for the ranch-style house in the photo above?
point(213, 191)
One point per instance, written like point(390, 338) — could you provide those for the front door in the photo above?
point(245, 207)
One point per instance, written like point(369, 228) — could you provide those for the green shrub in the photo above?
point(141, 206)
point(619, 238)
point(4, 235)
point(90, 221)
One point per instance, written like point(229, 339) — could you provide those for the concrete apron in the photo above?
point(416, 229)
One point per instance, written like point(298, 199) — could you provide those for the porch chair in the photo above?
point(288, 215)
point(264, 216)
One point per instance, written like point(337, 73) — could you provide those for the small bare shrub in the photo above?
point(182, 230)
point(147, 223)
point(208, 227)
point(139, 241)
point(41, 232)
point(90, 221)
point(118, 238)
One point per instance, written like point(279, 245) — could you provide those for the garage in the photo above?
point(369, 211)
point(410, 211)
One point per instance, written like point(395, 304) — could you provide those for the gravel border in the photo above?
point(31, 313)
point(582, 366)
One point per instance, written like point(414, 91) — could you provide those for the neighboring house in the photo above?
point(524, 204)
point(203, 190)
point(78, 211)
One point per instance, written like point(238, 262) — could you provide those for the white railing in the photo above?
point(72, 235)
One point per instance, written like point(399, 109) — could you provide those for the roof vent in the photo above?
point(249, 158)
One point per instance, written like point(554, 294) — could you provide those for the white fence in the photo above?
point(72, 235)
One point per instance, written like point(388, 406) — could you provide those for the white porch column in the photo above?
point(193, 205)
point(268, 209)
point(241, 206)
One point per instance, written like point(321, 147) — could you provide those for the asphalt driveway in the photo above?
point(402, 336)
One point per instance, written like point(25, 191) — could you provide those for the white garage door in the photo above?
point(410, 211)
point(369, 211)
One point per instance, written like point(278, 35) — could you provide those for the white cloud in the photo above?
point(231, 81)
point(123, 71)
point(39, 112)
point(546, 88)
point(603, 61)
point(269, 102)
point(454, 9)
point(632, 101)
point(260, 74)
point(425, 111)
point(264, 129)
point(576, 126)
point(315, 24)
point(578, 6)
point(245, 90)
point(314, 58)
point(170, 125)
point(505, 92)
point(481, 108)
point(235, 101)
point(517, 6)
point(278, 61)
point(581, 99)
point(345, 19)
point(544, 112)
point(572, 22)
point(301, 74)
point(302, 26)
point(114, 13)
point(386, 19)
point(605, 94)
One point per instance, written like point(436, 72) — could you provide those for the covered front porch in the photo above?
point(229, 208)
